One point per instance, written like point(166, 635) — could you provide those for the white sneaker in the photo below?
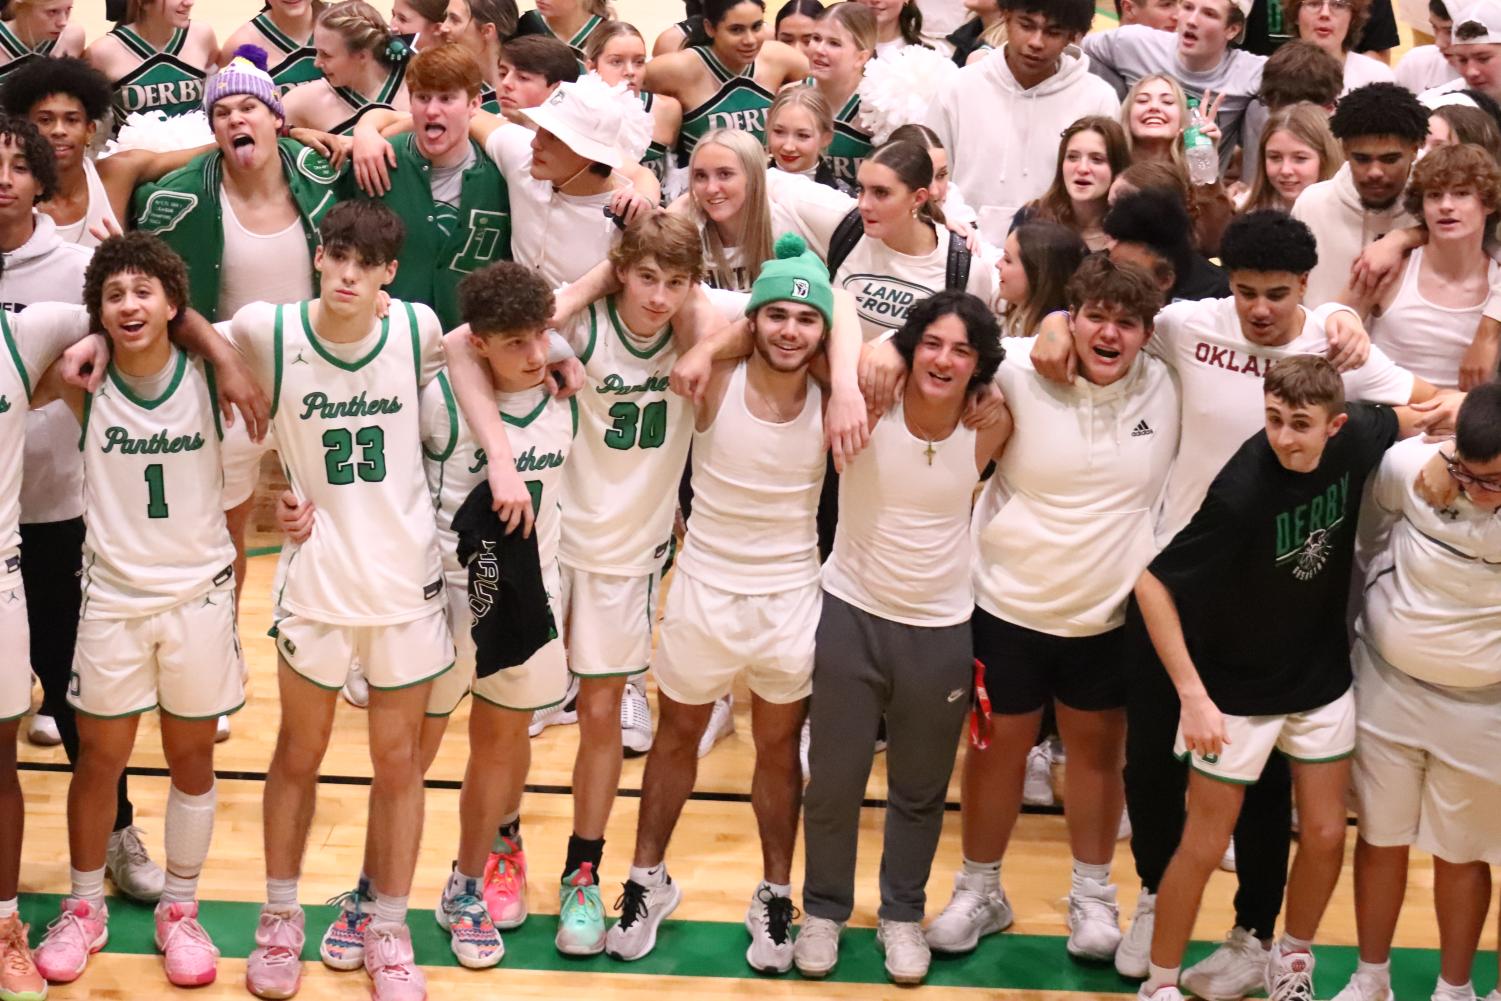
point(1366, 987)
point(977, 908)
point(1289, 976)
point(1037, 790)
point(1227, 860)
point(42, 731)
point(1132, 956)
point(907, 955)
point(816, 949)
point(356, 690)
point(635, 721)
point(804, 741)
point(221, 729)
point(642, 911)
point(565, 713)
point(721, 725)
point(1094, 922)
point(130, 868)
point(1230, 972)
point(1123, 832)
point(1445, 991)
point(769, 922)
point(1160, 994)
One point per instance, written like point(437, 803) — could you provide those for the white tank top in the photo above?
point(152, 489)
point(349, 437)
point(540, 429)
point(1423, 337)
point(620, 489)
point(902, 550)
point(99, 209)
point(15, 394)
point(262, 267)
point(754, 527)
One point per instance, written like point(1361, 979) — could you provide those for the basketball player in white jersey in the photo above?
point(157, 629)
point(619, 496)
point(367, 583)
point(746, 599)
point(894, 637)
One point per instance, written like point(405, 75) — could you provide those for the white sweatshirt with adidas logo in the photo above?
point(1065, 526)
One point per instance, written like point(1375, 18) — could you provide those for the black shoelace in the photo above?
point(779, 915)
point(631, 903)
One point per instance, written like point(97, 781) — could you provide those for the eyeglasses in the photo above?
point(1335, 6)
point(1466, 478)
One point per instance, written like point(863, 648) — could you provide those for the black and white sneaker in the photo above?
point(769, 922)
point(642, 910)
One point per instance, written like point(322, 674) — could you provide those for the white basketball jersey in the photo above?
point(15, 402)
point(621, 488)
point(349, 438)
point(754, 526)
point(155, 532)
point(540, 429)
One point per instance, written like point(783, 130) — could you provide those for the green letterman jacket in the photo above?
point(433, 262)
point(183, 209)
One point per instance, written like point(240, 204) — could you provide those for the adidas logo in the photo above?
point(1141, 428)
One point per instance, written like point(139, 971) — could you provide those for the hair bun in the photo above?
point(790, 245)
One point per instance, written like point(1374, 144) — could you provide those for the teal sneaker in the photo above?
point(581, 914)
point(472, 935)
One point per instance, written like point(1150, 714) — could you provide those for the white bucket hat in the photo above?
point(1478, 23)
point(608, 125)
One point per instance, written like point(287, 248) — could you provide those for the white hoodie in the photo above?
point(1002, 139)
point(1076, 489)
point(1342, 227)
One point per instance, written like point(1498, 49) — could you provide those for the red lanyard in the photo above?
point(979, 711)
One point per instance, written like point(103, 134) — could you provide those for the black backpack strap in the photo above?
point(956, 274)
point(846, 235)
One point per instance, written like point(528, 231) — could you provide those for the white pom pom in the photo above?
point(634, 123)
point(897, 89)
point(155, 131)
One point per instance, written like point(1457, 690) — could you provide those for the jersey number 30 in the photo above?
point(650, 419)
point(338, 458)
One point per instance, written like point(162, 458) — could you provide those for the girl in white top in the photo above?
point(727, 181)
point(898, 25)
point(1426, 319)
point(903, 253)
point(1335, 27)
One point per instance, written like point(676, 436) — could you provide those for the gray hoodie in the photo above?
point(1002, 138)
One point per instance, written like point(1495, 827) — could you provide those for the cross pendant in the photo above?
point(930, 451)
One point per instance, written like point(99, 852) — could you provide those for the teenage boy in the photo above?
point(1297, 71)
point(1151, 229)
point(619, 494)
point(1200, 57)
point(366, 585)
point(1160, 14)
point(1475, 52)
point(1428, 690)
point(1220, 349)
point(1038, 77)
point(1380, 128)
point(1427, 66)
point(746, 599)
point(1276, 532)
point(158, 623)
point(531, 68)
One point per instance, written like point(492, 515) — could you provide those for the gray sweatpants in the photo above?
point(919, 679)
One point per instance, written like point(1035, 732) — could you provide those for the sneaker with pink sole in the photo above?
point(505, 886)
point(274, 969)
point(188, 954)
point(79, 931)
point(394, 974)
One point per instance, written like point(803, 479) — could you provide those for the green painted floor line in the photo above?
point(262, 551)
point(716, 949)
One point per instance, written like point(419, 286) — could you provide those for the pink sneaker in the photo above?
point(392, 965)
point(274, 969)
point(505, 886)
point(72, 937)
point(188, 954)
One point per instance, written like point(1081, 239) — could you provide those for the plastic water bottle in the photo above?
point(1198, 149)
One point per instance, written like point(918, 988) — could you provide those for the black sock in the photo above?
point(581, 850)
point(511, 830)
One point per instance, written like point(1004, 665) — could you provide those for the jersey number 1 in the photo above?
point(156, 492)
point(340, 444)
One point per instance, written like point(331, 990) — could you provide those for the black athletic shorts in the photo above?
point(1025, 669)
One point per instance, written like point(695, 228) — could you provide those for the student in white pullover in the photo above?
point(1076, 486)
point(1038, 82)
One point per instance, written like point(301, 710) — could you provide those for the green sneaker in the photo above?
point(581, 914)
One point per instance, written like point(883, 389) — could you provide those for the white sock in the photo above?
point(1289, 944)
point(1381, 972)
point(990, 872)
point(777, 889)
point(281, 893)
point(390, 910)
point(1100, 874)
point(88, 885)
point(655, 875)
point(189, 830)
point(1444, 987)
point(1159, 977)
point(9, 907)
point(458, 882)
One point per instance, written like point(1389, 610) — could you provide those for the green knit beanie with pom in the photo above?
point(797, 275)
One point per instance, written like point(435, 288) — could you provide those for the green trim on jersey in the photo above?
point(20, 54)
point(453, 422)
point(416, 344)
point(588, 351)
point(143, 49)
point(335, 360)
point(360, 104)
point(276, 340)
point(15, 352)
point(739, 103)
point(625, 335)
point(83, 425)
point(521, 422)
point(851, 145)
point(573, 410)
point(297, 62)
point(144, 404)
point(533, 23)
point(161, 82)
point(488, 99)
point(213, 398)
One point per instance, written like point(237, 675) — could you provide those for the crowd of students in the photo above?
point(986, 404)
